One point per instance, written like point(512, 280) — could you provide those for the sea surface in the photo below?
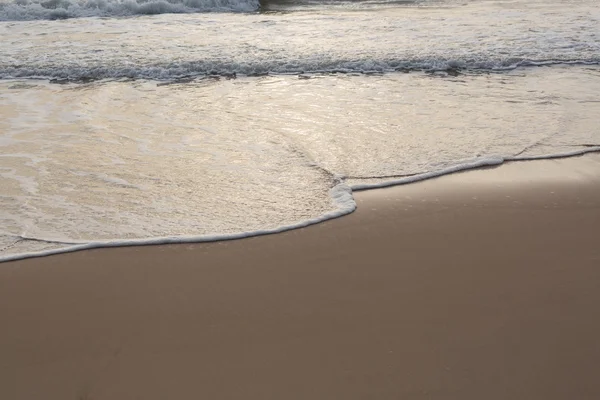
point(130, 121)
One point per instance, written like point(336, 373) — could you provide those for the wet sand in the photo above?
point(479, 285)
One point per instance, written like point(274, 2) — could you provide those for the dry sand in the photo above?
point(482, 285)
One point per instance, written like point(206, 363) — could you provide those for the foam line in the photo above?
point(484, 162)
point(27, 10)
point(205, 68)
point(341, 195)
point(480, 163)
point(589, 149)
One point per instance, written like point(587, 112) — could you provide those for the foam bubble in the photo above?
point(23, 10)
point(341, 195)
point(202, 69)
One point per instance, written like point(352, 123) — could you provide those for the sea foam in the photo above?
point(24, 10)
point(200, 69)
point(341, 195)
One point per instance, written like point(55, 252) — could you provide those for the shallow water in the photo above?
point(480, 35)
point(151, 127)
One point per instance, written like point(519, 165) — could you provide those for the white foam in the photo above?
point(23, 10)
point(471, 37)
point(201, 69)
point(479, 163)
point(28, 184)
point(589, 149)
point(109, 179)
point(341, 195)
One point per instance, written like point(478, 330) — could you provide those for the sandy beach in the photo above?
point(478, 285)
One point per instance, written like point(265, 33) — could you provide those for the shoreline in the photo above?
point(341, 194)
point(480, 284)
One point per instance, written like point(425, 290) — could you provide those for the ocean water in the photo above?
point(127, 122)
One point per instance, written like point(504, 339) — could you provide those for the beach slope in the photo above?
point(478, 285)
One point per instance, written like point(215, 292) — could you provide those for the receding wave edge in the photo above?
point(341, 195)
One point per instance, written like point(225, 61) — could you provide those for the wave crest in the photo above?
point(187, 70)
point(23, 10)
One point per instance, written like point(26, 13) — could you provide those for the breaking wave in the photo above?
point(197, 69)
point(24, 10)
